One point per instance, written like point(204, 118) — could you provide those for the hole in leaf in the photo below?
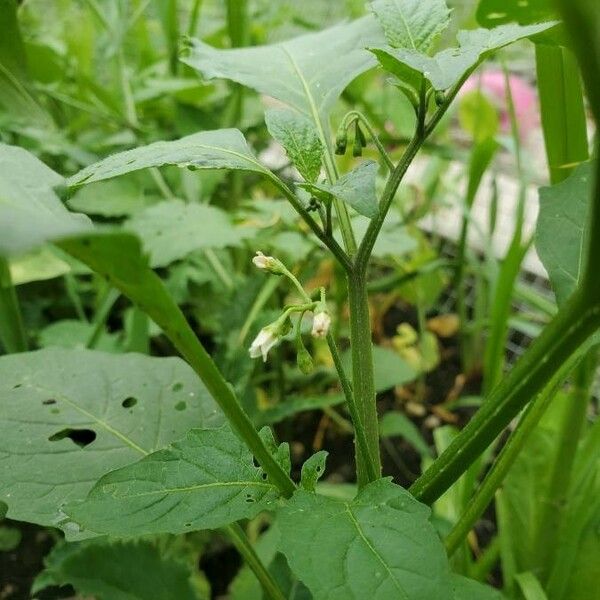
point(256, 463)
point(17, 385)
point(181, 405)
point(318, 469)
point(264, 476)
point(129, 402)
point(81, 437)
point(177, 387)
point(187, 525)
point(249, 498)
point(49, 401)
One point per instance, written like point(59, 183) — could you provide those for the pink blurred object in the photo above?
point(492, 83)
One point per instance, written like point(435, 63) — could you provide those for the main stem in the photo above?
point(363, 383)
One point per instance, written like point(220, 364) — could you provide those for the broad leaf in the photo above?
point(117, 571)
point(205, 481)
point(561, 229)
point(356, 188)
point(448, 67)
point(30, 211)
point(298, 135)
point(378, 546)
point(172, 229)
point(467, 589)
point(68, 417)
point(219, 149)
point(307, 73)
point(412, 24)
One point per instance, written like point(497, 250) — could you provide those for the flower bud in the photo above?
point(341, 141)
point(267, 263)
point(304, 360)
point(321, 324)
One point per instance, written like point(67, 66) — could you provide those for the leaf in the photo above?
point(297, 134)
point(412, 23)
point(530, 586)
point(297, 404)
point(308, 73)
point(218, 149)
point(395, 423)
point(491, 13)
point(356, 188)
point(467, 589)
point(173, 229)
point(30, 211)
point(204, 481)
point(378, 546)
point(312, 470)
point(561, 229)
point(134, 570)
point(68, 417)
point(448, 67)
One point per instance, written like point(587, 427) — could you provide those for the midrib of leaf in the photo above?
point(313, 107)
point(402, 17)
point(96, 419)
point(375, 553)
point(200, 486)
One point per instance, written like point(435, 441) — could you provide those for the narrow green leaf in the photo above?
point(30, 211)
point(446, 68)
point(561, 229)
point(307, 73)
point(356, 188)
point(205, 481)
point(173, 229)
point(134, 570)
point(394, 423)
point(298, 135)
point(68, 417)
point(218, 149)
point(379, 545)
point(531, 588)
point(412, 24)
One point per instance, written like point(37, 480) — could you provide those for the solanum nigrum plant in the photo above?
point(172, 454)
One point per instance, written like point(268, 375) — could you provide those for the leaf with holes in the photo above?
point(218, 149)
point(173, 229)
point(30, 211)
point(67, 417)
point(204, 481)
point(298, 135)
point(412, 24)
point(449, 66)
point(308, 73)
point(379, 545)
point(356, 188)
point(133, 570)
point(561, 229)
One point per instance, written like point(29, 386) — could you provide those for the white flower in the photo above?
point(263, 342)
point(321, 324)
point(264, 262)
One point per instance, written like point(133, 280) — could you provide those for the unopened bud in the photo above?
point(267, 263)
point(321, 324)
point(304, 360)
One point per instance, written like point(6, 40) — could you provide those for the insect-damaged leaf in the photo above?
point(218, 149)
point(67, 417)
point(379, 545)
point(204, 481)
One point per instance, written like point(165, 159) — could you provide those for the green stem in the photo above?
point(242, 543)
point(571, 327)
point(12, 332)
point(505, 460)
point(194, 16)
point(108, 301)
point(363, 383)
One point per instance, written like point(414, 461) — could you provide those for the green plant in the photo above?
point(147, 472)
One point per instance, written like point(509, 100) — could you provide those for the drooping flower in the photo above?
point(267, 263)
point(263, 342)
point(321, 324)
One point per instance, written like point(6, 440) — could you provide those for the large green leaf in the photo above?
point(448, 66)
point(218, 149)
point(412, 23)
point(378, 546)
point(307, 73)
point(561, 229)
point(117, 571)
point(204, 481)
point(172, 229)
point(30, 211)
point(356, 188)
point(298, 135)
point(68, 417)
